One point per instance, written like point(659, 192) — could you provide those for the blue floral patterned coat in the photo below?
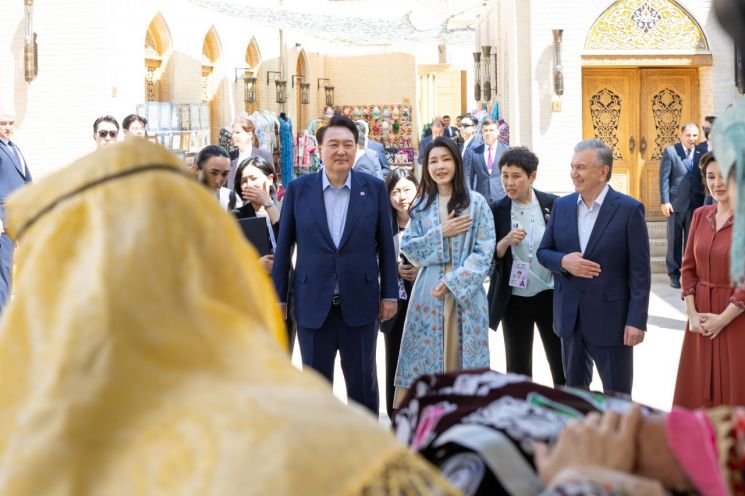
point(422, 345)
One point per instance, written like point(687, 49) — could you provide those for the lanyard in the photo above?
point(515, 224)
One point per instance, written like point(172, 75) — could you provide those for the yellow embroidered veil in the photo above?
point(143, 352)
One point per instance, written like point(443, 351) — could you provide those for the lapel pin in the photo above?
point(362, 193)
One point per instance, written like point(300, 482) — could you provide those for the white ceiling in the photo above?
point(361, 22)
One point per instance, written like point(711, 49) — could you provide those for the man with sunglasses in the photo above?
point(467, 129)
point(105, 131)
point(14, 173)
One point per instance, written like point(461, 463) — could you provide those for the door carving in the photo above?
point(638, 112)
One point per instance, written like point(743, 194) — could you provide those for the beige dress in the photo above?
point(450, 326)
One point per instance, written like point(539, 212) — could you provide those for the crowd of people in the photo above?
point(362, 248)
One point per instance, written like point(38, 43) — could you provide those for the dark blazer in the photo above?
point(477, 175)
point(422, 147)
point(500, 290)
point(365, 252)
point(13, 174)
point(619, 296)
point(382, 158)
point(682, 188)
point(255, 152)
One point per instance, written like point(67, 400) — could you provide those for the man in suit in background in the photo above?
point(366, 160)
point(437, 130)
point(377, 150)
point(597, 246)
point(105, 131)
point(681, 192)
point(467, 130)
point(14, 173)
point(480, 164)
point(345, 274)
point(450, 131)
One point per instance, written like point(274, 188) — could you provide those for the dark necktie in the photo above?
point(689, 159)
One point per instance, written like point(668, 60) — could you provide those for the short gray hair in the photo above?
point(603, 154)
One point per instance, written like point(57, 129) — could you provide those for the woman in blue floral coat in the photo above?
point(451, 238)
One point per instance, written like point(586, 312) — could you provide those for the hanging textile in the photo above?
point(286, 151)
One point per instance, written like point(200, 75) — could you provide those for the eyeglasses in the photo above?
point(111, 134)
point(466, 125)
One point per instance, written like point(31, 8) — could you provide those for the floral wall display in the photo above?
point(390, 125)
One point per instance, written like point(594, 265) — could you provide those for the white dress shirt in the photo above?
point(586, 217)
point(245, 154)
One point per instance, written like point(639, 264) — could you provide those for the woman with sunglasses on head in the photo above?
point(211, 167)
point(401, 185)
point(451, 239)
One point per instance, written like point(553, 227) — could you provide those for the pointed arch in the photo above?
point(302, 70)
point(253, 62)
point(213, 87)
point(158, 48)
point(646, 25)
point(253, 54)
point(211, 47)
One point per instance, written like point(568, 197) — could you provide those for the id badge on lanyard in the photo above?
point(521, 269)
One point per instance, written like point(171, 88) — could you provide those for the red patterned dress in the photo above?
point(711, 372)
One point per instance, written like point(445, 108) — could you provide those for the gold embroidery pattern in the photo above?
point(646, 25)
point(667, 110)
point(605, 111)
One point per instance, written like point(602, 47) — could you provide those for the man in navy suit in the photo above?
point(450, 131)
point(481, 164)
point(436, 131)
point(14, 173)
point(681, 192)
point(345, 275)
point(597, 246)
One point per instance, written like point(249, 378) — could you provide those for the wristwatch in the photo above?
point(268, 204)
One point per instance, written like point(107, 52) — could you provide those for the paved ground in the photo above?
point(655, 360)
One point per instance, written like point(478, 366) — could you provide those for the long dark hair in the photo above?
point(427, 190)
point(391, 181)
point(263, 165)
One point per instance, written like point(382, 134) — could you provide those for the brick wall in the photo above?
point(91, 63)
point(523, 35)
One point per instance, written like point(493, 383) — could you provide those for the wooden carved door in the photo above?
point(669, 99)
point(638, 112)
point(611, 111)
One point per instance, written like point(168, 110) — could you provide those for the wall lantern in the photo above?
point(280, 85)
point(558, 68)
point(249, 84)
point(30, 48)
point(329, 90)
point(740, 68)
point(304, 88)
point(485, 65)
point(477, 75)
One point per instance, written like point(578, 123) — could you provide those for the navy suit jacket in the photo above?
point(619, 296)
point(423, 147)
point(477, 175)
point(365, 252)
point(13, 175)
point(682, 188)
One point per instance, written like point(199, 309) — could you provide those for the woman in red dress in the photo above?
point(712, 362)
